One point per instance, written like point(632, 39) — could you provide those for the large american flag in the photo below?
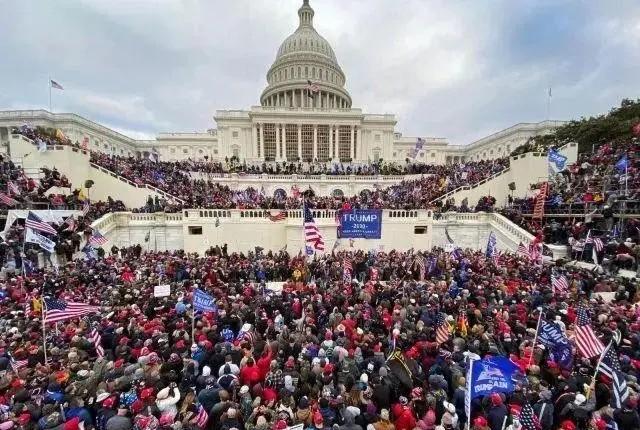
point(586, 340)
point(279, 216)
point(34, 222)
point(96, 339)
point(59, 310)
point(610, 366)
point(97, 239)
point(559, 284)
point(86, 207)
point(200, 420)
point(13, 188)
point(442, 329)
point(312, 235)
point(16, 365)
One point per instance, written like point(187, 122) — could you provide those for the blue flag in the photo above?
point(491, 375)
point(623, 163)
point(491, 245)
point(203, 302)
point(557, 159)
point(552, 337)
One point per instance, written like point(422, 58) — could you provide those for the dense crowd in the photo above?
point(323, 351)
point(410, 194)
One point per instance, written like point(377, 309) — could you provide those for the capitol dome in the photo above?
point(306, 72)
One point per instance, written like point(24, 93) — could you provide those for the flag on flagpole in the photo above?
point(313, 237)
point(31, 236)
point(491, 245)
point(55, 85)
point(97, 239)
point(347, 270)
point(442, 329)
point(96, 339)
point(71, 223)
point(34, 222)
point(58, 310)
point(16, 365)
point(623, 163)
point(528, 418)
point(86, 207)
point(610, 366)
point(463, 323)
point(586, 340)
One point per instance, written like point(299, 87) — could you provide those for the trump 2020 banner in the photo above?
point(491, 375)
point(360, 224)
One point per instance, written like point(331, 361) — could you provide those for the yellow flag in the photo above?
point(36, 305)
point(81, 195)
point(60, 135)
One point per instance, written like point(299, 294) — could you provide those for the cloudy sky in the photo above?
point(455, 69)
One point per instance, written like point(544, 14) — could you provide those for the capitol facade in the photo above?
point(305, 114)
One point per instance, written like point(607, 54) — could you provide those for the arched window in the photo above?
point(326, 75)
point(285, 73)
point(337, 193)
point(299, 72)
point(306, 72)
point(291, 71)
point(313, 72)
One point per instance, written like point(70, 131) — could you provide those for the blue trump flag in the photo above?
point(491, 375)
point(557, 159)
point(203, 302)
point(623, 163)
point(552, 337)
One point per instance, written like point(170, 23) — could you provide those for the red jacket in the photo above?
point(404, 417)
point(250, 375)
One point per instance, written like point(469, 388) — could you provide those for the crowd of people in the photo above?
point(201, 193)
point(361, 350)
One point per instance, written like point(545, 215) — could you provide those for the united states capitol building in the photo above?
point(306, 113)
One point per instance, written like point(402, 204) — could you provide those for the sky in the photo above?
point(451, 68)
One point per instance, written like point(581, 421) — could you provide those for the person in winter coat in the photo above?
point(497, 412)
point(167, 399)
point(544, 410)
point(120, 421)
point(404, 415)
point(627, 417)
point(349, 421)
point(328, 414)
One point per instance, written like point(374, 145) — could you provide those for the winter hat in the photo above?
point(384, 414)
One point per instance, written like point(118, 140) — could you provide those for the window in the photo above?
point(200, 151)
point(285, 73)
point(173, 150)
point(307, 142)
point(215, 152)
point(195, 230)
point(344, 142)
point(291, 134)
point(234, 134)
point(313, 72)
point(269, 141)
point(323, 143)
point(185, 151)
point(422, 155)
point(395, 154)
point(299, 72)
point(433, 155)
point(377, 137)
point(376, 155)
point(420, 229)
point(235, 151)
point(306, 72)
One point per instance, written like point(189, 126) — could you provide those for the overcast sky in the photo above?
point(455, 69)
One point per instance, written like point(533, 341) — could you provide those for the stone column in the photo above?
point(278, 142)
point(254, 141)
point(283, 147)
point(331, 142)
point(261, 125)
point(299, 141)
point(315, 142)
point(351, 144)
point(361, 151)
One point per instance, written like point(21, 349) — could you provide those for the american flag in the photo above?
point(586, 341)
point(312, 235)
point(281, 215)
point(34, 222)
point(16, 365)
point(347, 270)
point(313, 88)
point(85, 142)
point(610, 366)
point(59, 310)
point(419, 264)
point(201, 419)
point(97, 239)
point(13, 188)
point(71, 222)
point(56, 85)
point(96, 339)
point(528, 418)
point(597, 243)
point(4, 198)
point(442, 329)
point(523, 250)
point(295, 190)
point(559, 284)
point(86, 207)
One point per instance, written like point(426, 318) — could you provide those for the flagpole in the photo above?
point(626, 178)
point(49, 93)
point(535, 338)
point(193, 325)
point(44, 330)
point(595, 374)
point(467, 395)
point(585, 244)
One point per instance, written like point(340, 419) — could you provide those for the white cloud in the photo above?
point(450, 69)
